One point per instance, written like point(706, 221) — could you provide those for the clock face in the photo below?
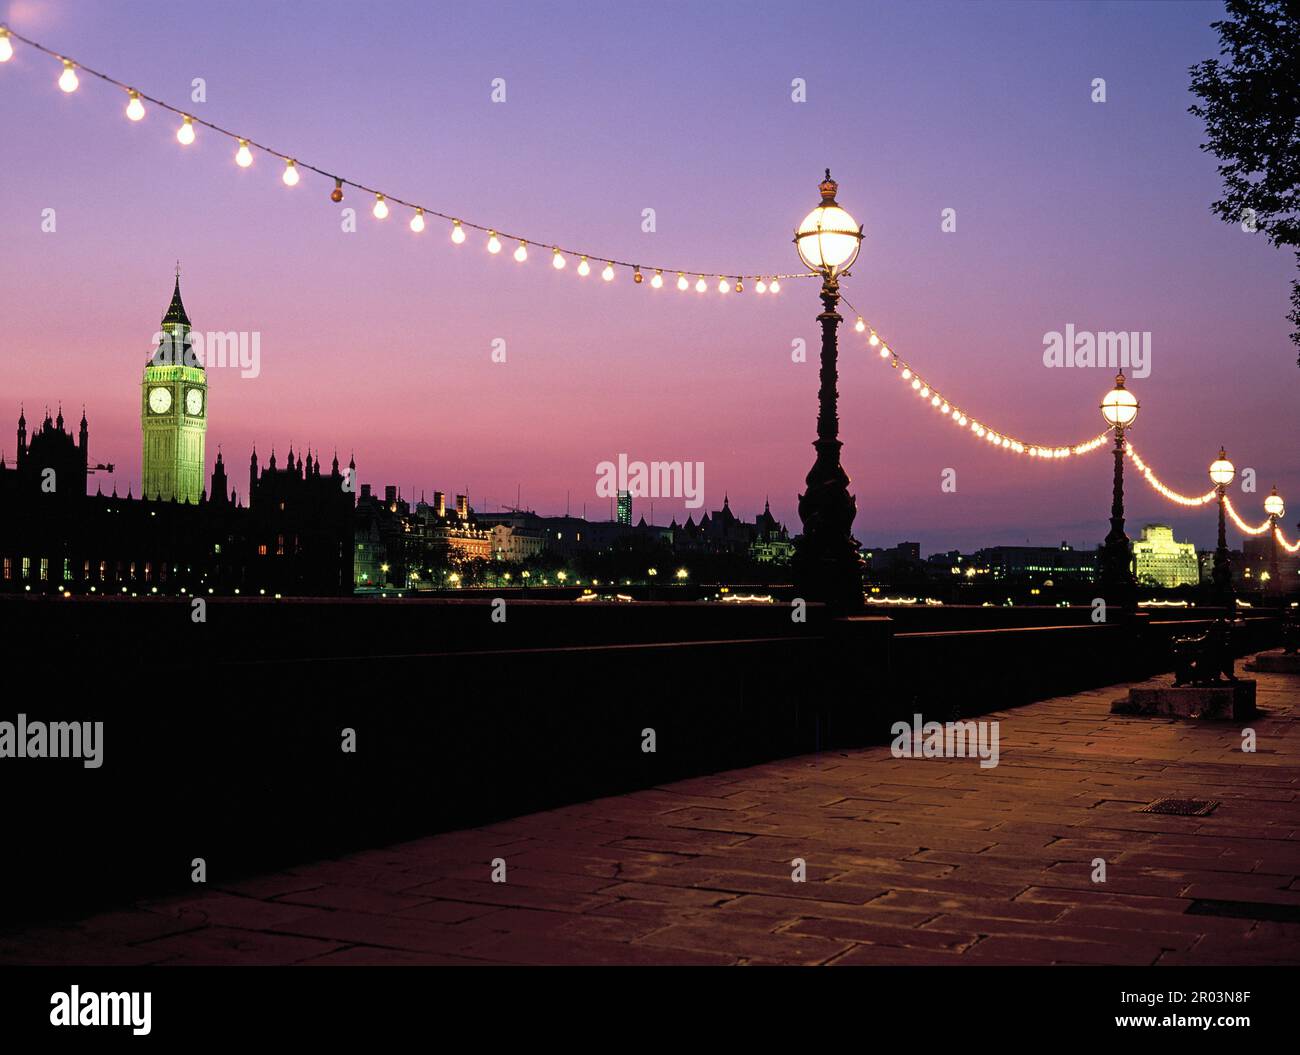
point(194, 402)
point(160, 400)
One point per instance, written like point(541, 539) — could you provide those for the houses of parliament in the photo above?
point(290, 534)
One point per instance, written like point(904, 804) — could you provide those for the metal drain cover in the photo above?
point(1181, 807)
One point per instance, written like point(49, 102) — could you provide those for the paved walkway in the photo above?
point(908, 862)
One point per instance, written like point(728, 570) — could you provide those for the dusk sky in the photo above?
point(1069, 212)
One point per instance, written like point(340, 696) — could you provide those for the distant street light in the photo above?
point(1221, 473)
point(1119, 408)
point(1276, 510)
point(828, 567)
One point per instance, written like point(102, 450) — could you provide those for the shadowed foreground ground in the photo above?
point(908, 861)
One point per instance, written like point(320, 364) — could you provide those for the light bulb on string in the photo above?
point(682, 284)
point(185, 134)
point(637, 276)
point(775, 287)
point(584, 268)
point(243, 156)
point(381, 208)
point(417, 221)
point(557, 259)
point(290, 176)
point(608, 273)
point(6, 46)
point(740, 285)
point(521, 254)
point(723, 285)
point(457, 232)
point(760, 286)
point(873, 340)
point(860, 325)
point(68, 78)
point(701, 285)
point(657, 281)
point(135, 108)
point(494, 243)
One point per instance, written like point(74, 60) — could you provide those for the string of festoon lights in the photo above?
point(1161, 489)
point(1205, 499)
point(977, 427)
point(700, 280)
point(949, 409)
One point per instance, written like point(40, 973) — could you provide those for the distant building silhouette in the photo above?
point(294, 536)
point(1036, 564)
point(392, 539)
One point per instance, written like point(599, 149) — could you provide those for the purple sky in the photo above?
point(1068, 212)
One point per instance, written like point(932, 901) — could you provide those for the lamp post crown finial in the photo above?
point(828, 187)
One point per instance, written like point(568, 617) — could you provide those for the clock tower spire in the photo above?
point(174, 410)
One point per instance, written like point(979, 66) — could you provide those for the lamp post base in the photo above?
point(827, 565)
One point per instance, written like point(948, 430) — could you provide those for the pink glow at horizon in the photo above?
point(380, 342)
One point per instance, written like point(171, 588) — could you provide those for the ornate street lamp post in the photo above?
point(1221, 473)
point(827, 565)
point(1119, 408)
point(1276, 510)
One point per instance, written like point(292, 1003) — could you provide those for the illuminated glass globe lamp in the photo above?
point(1222, 471)
point(1120, 407)
point(1274, 506)
point(829, 238)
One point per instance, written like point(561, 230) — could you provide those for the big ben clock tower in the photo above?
point(174, 412)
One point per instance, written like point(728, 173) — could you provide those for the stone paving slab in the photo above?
point(907, 861)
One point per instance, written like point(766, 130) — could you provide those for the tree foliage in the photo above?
point(1250, 103)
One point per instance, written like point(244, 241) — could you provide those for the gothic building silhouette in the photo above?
point(293, 535)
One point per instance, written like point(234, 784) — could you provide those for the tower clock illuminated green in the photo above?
point(174, 411)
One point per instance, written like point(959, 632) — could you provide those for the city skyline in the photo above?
point(407, 380)
point(717, 485)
